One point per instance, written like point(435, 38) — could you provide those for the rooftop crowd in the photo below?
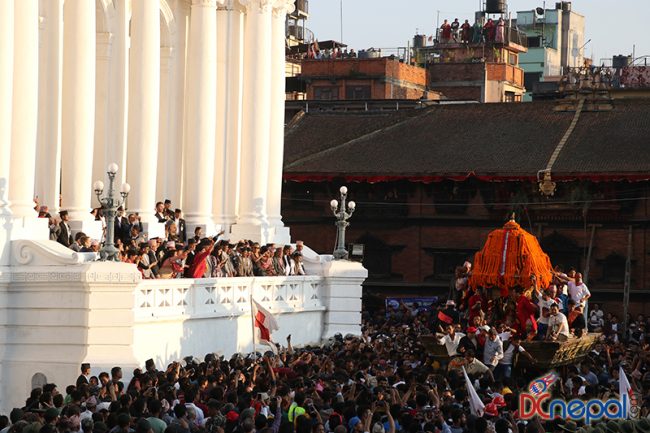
point(383, 381)
point(177, 255)
point(489, 32)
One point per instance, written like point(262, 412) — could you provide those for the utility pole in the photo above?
point(341, 9)
point(626, 287)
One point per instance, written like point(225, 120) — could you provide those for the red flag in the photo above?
point(445, 318)
point(265, 323)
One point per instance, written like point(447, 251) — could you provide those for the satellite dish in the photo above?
point(539, 11)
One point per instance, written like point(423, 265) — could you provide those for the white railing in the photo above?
point(224, 297)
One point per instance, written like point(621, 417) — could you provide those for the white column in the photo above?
point(252, 222)
point(276, 148)
point(24, 122)
point(177, 102)
point(48, 155)
point(104, 151)
point(168, 161)
point(119, 85)
point(6, 92)
point(199, 146)
point(230, 57)
point(78, 117)
point(144, 98)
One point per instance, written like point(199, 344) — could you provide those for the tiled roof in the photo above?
point(491, 140)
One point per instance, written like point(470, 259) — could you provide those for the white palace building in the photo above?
point(187, 97)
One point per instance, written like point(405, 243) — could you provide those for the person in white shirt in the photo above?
point(451, 339)
point(596, 320)
point(544, 301)
point(504, 368)
point(558, 326)
point(493, 351)
point(297, 266)
point(579, 292)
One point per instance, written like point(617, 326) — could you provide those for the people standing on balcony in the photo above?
point(191, 253)
point(266, 262)
point(213, 270)
point(122, 225)
point(160, 212)
point(167, 209)
point(64, 234)
point(245, 264)
point(477, 32)
point(179, 222)
point(455, 27)
point(278, 262)
point(227, 266)
point(445, 31)
point(489, 31)
point(466, 32)
point(287, 259)
point(500, 36)
point(144, 264)
point(199, 265)
point(297, 267)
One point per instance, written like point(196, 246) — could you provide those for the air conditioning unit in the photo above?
point(540, 15)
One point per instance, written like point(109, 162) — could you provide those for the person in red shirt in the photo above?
point(476, 303)
point(526, 312)
point(199, 265)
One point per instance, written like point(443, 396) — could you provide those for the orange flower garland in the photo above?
point(508, 259)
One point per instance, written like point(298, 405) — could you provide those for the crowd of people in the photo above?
point(177, 255)
point(490, 32)
point(383, 381)
point(557, 312)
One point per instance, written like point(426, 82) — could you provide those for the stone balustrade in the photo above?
point(180, 317)
point(225, 297)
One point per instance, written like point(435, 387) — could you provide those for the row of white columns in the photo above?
point(233, 116)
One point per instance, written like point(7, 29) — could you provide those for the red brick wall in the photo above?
point(373, 72)
point(460, 93)
point(456, 72)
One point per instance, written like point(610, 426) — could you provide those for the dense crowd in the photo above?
point(177, 255)
point(384, 381)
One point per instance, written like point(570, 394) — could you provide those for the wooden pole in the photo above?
point(585, 276)
point(626, 287)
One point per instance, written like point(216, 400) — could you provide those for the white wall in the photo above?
point(173, 339)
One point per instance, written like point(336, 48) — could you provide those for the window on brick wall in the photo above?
point(326, 93)
point(445, 262)
point(614, 268)
point(357, 92)
point(378, 258)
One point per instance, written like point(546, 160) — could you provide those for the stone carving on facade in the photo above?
point(206, 3)
point(259, 6)
point(283, 7)
point(46, 253)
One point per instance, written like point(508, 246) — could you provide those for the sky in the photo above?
point(613, 26)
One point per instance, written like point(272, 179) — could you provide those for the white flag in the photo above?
point(475, 404)
point(265, 323)
point(625, 392)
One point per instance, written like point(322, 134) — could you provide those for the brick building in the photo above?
point(430, 184)
point(359, 79)
point(483, 71)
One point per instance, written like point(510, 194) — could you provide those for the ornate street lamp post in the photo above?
point(109, 205)
point(342, 217)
